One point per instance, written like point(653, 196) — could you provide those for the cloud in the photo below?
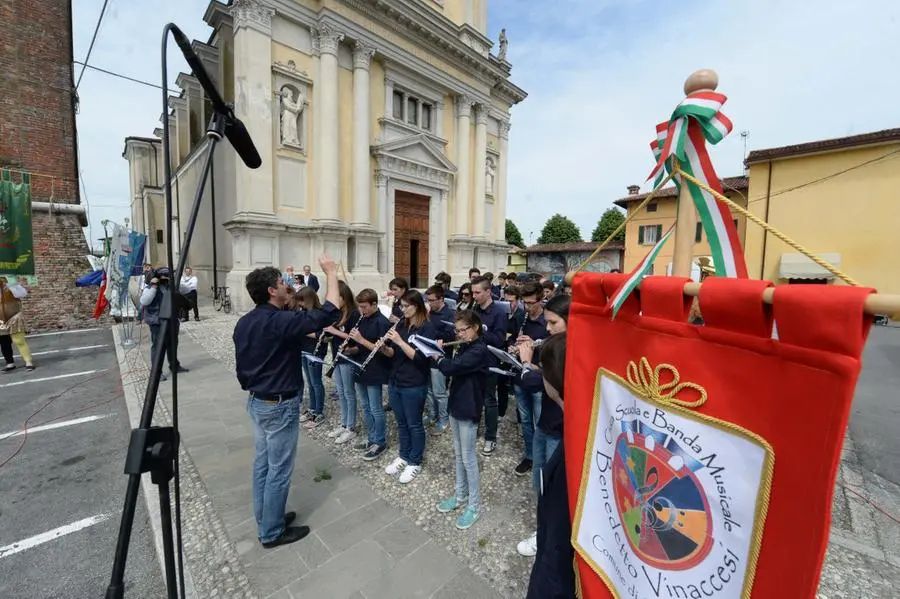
point(602, 74)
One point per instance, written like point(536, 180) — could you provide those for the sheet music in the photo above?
point(501, 372)
point(428, 347)
point(505, 357)
point(312, 358)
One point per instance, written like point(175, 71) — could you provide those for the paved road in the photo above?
point(875, 415)
point(61, 496)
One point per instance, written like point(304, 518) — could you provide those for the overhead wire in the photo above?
point(87, 58)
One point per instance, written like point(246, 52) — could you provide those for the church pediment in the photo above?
point(416, 149)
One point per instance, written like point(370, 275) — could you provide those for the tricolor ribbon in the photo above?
point(694, 122)
point(636, 275)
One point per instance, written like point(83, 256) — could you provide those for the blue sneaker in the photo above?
point(468, 518)
point(450, 504)
point(440, 427)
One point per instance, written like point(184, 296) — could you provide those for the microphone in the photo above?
point(235, 130)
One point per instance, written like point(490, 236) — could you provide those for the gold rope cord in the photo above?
point(606, 241)
point(645, 381)
point(758, 221)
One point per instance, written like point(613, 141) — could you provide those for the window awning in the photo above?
point(798, 266)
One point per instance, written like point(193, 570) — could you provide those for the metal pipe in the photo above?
point(58, 208)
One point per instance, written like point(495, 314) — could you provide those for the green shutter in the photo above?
point(658, 233)
point(640, 235)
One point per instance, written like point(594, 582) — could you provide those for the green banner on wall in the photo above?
point(16, 241)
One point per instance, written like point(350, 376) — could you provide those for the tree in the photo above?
point(513, 235)
point(611, 219)
point(559, 229)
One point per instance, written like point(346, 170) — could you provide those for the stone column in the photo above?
point(381, 184)
point(443, 217)
point(500, 185)
point(463, 128)
point(253, 101)
point(481, 118)
point(327, 158)
point(362, 56)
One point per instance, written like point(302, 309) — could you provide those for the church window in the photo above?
point(426, 117)
point(397, 112)
point(413, 110)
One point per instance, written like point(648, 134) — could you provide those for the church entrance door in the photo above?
point(411, 238)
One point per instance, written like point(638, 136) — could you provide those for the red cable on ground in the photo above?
point(870, 502)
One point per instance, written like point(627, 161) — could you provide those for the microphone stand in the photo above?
point(154, 449)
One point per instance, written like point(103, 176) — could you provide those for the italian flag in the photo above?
point(636, 276)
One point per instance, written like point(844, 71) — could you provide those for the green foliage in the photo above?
point(513, 235)
point(559, 229)
point(611, 219)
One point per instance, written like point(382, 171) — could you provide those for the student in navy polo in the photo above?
point(409, 383)
point(369, 382)
point(267, 355)
point(441, 317)
point(494, 323)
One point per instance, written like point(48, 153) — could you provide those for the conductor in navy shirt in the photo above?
point(267, 346)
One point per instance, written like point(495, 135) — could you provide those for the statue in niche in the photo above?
point(291, 115)
point(504, 44)
point(490, 174)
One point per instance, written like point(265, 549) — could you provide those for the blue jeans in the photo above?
point(437, 396)
point(312, 375)
point(468, 481)
point(544, 446)
point(408, 403)
point(276, 430)
point(344, 381)
point(374, 412)
point(529, 406)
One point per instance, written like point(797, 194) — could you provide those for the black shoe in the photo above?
point(289, 517)
point(179, 368)
point(374, 452)
point(291, 534)
point(524, 467)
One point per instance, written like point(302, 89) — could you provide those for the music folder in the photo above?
point(428, 347)
point(312, 358)
point(506, 357)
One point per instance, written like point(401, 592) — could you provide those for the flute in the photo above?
point(457, 342)
point(340, 350)
point(378, 345)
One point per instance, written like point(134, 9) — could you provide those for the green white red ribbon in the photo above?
point(636, 275)
point(695, 121)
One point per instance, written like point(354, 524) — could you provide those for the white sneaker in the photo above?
point(335, 432)
point(528, 547)
point(409, 473)
point(345, 436)
point(395, 467)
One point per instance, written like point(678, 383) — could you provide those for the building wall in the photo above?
point(855, 213)
point(559, 263)
point(37, 135)
point(665, 216)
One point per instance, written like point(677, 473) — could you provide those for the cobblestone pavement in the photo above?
point(861, 561)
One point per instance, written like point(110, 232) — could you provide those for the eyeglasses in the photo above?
point(462, 330)
point(431, 300)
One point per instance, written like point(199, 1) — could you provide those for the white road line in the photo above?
point(62, 332)
point(51, 535)
point(50, 427)
point(58, 351)
point(52, 378)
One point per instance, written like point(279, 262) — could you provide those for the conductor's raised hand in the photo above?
point(328, 264)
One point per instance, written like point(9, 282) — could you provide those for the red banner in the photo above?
point(701, 460)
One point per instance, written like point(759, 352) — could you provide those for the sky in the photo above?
point(600, 75)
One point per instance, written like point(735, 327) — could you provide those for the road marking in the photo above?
point(62, 332)
point(51, 535)
point(57, 351)
point(49, 427)
point(52, 378)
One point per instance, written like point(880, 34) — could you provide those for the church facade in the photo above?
point(383, 128)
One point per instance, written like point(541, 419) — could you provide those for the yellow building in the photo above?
point(516, 260)
point(642, 233)
point(838, 197)
point(383, 131)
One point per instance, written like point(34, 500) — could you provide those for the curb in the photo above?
point(150, 493)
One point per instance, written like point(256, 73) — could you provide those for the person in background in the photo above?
point(496, 293)
point(442, 319)
point(189, 282)
point(553, 573)
point(444, 280)
point(267, 348)
point(308, 301)
point(370, 382)
point(502, 282)
point(12, 324)
point(468, 375)
point(474, 273)
point(396, 289)
point(157, 311)
point(288, 277)
point(465, 298)
point(148, 268)
point(345, 372)
point(308, 279)
point(494, 321)
point(408, 386)
point(514, 325)
point(548, 432)
point(549, 288)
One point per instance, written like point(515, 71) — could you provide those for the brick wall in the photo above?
point(37, 134)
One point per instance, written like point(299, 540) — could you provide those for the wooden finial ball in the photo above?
point(702, 80)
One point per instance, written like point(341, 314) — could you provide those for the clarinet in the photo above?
point(514, 350)
point(378, 345)
point(340, 350)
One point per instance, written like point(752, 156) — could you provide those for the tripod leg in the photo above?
point(165, 512)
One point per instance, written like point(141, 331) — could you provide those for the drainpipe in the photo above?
point(762, 267)
point(58, 208)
